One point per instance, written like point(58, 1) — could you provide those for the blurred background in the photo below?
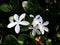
point(48, 9)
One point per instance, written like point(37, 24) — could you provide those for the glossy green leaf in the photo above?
point(11, 40)
point(22, 38)
point(48, 42)
point(31, 7)
point(5, 8)
point(26, 40)
point(31, 35)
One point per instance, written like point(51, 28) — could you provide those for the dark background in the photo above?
point(53, 16)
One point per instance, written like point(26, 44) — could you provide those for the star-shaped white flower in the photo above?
point(42, 25)
point(38, 24)
point(18, 21)
point(35, 26)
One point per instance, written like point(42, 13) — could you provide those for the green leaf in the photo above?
point(22, 38)
point(4, 8)
point(26, 40)
point(48, 42)
point(31, 7)
point(12, 5)
point(31, 35)
point(11, 40)
point(2, 44)
point(24, 28)
point(33, 1)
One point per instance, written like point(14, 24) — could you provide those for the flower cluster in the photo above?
point(38, 26)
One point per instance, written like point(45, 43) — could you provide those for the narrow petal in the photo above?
point(11, 19)
point(38, 32)
point(24, 4)
point(17, 29)
point(37, 17)
point(42, 31)
point(46, 29)
point(24, 23)
point(22, 16)
point(41, 20)
point(30, 27)
point(16, 17)
point(11, 24)
point(31, 15)
point(46, 23)
point(33, 32)
point(34, 23)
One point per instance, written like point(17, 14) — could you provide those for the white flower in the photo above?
point(38, 24)
point(18, 21)
point(42, 26)
point(35, 26)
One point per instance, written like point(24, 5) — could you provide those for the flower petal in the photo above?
point(11, 19)
point(11, 24)
point(35, 23)
point(24, 23)
point(22, 16)
point(33, 32)
point(24, 4)
point(30, 27)
point(42, 31)
point(37, 17)
point(17, 29)
point(16, 17)
point(38, 32)
point(45, 23)
point(46, 29)
point(31, 15)
point(41, 20)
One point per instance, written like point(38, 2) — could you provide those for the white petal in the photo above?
point(11, 24)
point(38, 32)
point(41, 20)
point(22, 16)
point(46, 29)
point(17, 29)
point(37, 17)
point(46, 23)
point(16, 17)
point(11, 19)
point(30, 27)
point(42, 31)
point(24, 3)
point(33, 32)
point(24, 23)
point(31, 15)
point(34, 23)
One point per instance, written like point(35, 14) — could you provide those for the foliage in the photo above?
point(48, 9)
